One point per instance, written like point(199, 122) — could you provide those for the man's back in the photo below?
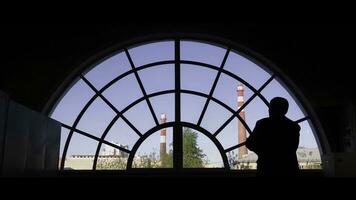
point(275, 141)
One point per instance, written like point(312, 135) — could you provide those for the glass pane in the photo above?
point(164, 104)
point(64, 136)
point(309, 158)
point(191, 107)
point(72, 103)
point(232, 158)
point(255, 111)
point(121, 133)
point(248, 162)
point(199, 151)
point(96, 118)
point(123, 92)
point(153, 52)
point(275, 89)
point(158, 78)
point(111, 158)
point(308, 153)
point(80, 154)
point(202, 52)
point(246, 69)
point(228, 136)
point(214, 117)
point(307, 138)
point(226, 91)
point(109, 69)
point(156, 151)
point(197, 78)
point(140, 116)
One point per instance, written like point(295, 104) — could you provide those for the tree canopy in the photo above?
point(193, 156)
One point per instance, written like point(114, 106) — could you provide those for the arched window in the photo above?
point(176, 103)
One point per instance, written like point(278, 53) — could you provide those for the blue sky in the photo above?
point(159, 78)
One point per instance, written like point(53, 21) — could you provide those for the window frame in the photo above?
point(177, 125)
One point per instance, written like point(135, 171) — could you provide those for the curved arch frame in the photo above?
point(98, 93)
point(113, 121)
point(323, 144)
point(171, 124)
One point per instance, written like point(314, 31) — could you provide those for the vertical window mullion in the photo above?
point(177, 129)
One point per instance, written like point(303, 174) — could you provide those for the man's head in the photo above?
point(278, 107)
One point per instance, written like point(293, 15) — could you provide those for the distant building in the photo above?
point(308, 158)
point(112, 151)
point(85, 162)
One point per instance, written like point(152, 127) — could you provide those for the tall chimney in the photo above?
point(241, 128)
point(162, 147)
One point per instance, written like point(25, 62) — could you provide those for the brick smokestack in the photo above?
point(162, 147)
point(241, 128)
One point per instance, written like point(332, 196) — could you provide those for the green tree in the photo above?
point(167, 160)
point(147, 161)
point(111, 163)
point(193, 156)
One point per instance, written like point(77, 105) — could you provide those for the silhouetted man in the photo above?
point(275, 141)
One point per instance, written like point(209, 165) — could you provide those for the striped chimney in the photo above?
point(241, 128)
point(162, 147)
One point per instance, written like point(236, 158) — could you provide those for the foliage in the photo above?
point(167, 159)
point(111, 163)
point(147, 161)
point(193, 156)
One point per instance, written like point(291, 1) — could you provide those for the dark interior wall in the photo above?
point(35, 59)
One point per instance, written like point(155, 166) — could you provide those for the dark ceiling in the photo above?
point(35, 59)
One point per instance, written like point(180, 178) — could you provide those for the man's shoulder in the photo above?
point(263, 121)
point(268, 120)
point(293, 123)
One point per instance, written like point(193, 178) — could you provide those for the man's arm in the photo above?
point(252, 140)
point(297, 135)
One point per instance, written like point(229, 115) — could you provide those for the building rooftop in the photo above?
point(303, 154)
